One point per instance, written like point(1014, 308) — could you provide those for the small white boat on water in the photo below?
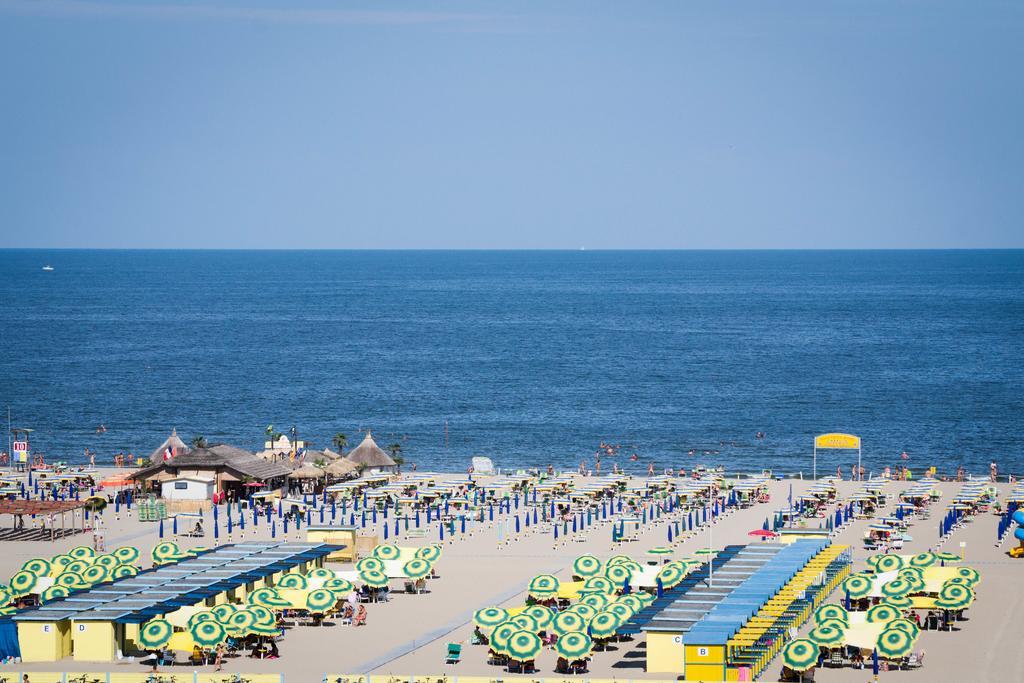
point(47, 267)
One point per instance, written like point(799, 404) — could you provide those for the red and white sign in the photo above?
point(21, 446)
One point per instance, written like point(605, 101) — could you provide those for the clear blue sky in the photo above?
point(680, 124)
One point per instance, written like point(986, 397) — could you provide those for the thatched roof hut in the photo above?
point(371, 457)
point(173, 442)
point(341, 469)
point(307, 471)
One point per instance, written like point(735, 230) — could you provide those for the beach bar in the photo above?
point(99, 624)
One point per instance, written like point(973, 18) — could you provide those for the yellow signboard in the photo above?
point(837, 441)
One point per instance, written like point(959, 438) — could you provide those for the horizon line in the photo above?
point(515, 249)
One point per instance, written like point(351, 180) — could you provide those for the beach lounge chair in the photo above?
point(835, 658)
point(454, 653)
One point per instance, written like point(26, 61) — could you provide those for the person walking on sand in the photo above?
point(993, 472)
point(219, 656)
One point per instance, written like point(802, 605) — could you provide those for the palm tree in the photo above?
point(340, 441)
point(199, 441)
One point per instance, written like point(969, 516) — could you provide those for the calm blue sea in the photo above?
point(529, 357)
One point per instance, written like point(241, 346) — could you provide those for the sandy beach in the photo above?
point(408, 635)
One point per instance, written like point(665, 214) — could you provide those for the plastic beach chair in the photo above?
point(454, 653)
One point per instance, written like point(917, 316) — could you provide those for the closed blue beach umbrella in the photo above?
point(161, 530)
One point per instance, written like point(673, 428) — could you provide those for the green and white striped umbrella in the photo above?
point(5, 595)
point(293, 580)
point(896, 588)
point(223, 612)
point(623, 611)
point(95, 574)
point(370, 563)
point(914, 578)
point(670, 576)
point(501, 634)
point(77, 566)
point(264, 617)
point(22, 583)
point(968, 573)
point(430, 553)
point(858, 586)
point(604, 625)
point(574, 646)
point(388, 551)
point(833, 623)
point(588, 612)
point(800, 654)
point(320, 573)
point(618, 559)
point(208, 633)
point(568, 622)
point(126, 554)
point(123, 571)
point(882, 613)
point(598, 584)
point(586, 566)
point(894, 643)
point(831, 611)
point(374, 578)
point(544, 586)
point(523, 646)
point(904, 625)
point(945, 556)
point(618, 573)
point(489, 617)
point(155, 633)
point(596, 600)
point(58, 563)
point(265, 629)
point(417, 568)
point(241, 622)
point(900, 602)
point(954, 596)
point(37, 566)
point(889, 563)
point(167, 551)
point(320, 600)
point(541, 614)
point(631, 600)
point(826, 635)
point(660, 551)
point(108, 560)
point(205, 615)
point(524, 622)
point(339, 585)
point(923, 560)
point(54, 592)
point(82, 552)
point(267, 597)
point(71, 580)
